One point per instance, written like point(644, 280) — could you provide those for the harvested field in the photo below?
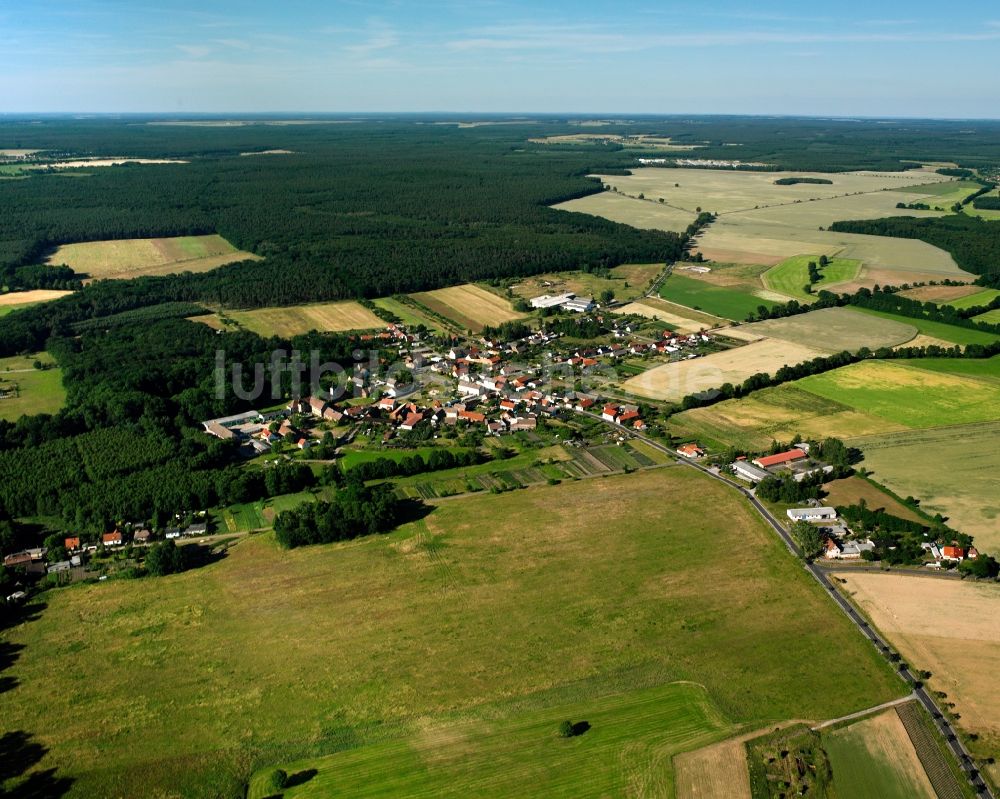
point(627, 281)
point(102, 162)
point(950, 628)
point(912, 397)
point(920, 340)
point(469, 305)
point(717, 771)
point(16, 299)
point(128, 258)
point(874, 759)
point(660, 312)
point(296, 319)
point(952, 470)
point(941, 294)
point(851, 490)
point(724, 191)
point(632, 211)
point(834, 330)
point(410, 315)
point(673, 381)
point(777, 414)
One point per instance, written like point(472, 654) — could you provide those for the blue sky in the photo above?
point(874, 58)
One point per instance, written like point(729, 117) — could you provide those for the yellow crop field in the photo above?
point(673, 381)
point(648, 214)
point(471, 306)
point(296, 319)
point(16, 299)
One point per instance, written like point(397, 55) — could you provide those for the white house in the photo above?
point(811, 514)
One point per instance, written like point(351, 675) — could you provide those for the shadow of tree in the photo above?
point(300, 777)
point(19, 753)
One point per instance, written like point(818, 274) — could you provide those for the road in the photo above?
point(941, 722)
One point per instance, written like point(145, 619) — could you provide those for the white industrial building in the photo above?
point(811, 514)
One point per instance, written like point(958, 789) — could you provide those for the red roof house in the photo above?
point(767, 461)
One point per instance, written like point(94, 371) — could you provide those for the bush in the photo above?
point(566, 729)
point(276, 781)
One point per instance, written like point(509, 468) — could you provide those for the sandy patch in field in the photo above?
point(270, 152)
point(948, 627)
point(29, 297)
point(17, 153)
point(673, 381)
point(641, 308)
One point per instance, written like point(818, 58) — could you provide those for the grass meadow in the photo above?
point(835, 330)
point(466, 636)
point(982, 368)
point(37, 390)
point(716, 300)
point(990, 317)
point(983, 297)
point(790, 276)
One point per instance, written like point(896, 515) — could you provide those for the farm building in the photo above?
point(579, 305)
point(781, 459)
point(690, 450)
point(749, 472)
point(811, 514)
point(547, 301)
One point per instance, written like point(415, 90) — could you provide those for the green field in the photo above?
point(466, 636)
point(702, 296)
point(790, 276)
point(37, 391)
point(984, 297)
point(874, 759)
point(952, 470)
point(945, 332)
point(990, 317)
point(522, 755)
point(911, 397)
point(983, 368)
point(943, 195)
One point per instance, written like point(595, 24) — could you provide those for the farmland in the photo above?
point(411, 315)
point(703, 296)
point(911, 397)
point(627, 282)
point(834, 330)
point(22, 299)
point(34, 390)
point(627, 608)
point(983, 297)
point(939, 330)
point(673, 381)
point(776, 414)
point(983, 368)
point(128, 258)
point(647, 214)
point(950, 628)
point(874, 759)
point(951, 469)
point(330, 316)
point(681, 319)
point(791, 275)
point(990, 317)
point(851, 490)
point(471, 306)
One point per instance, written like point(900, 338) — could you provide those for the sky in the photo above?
point(876, 58)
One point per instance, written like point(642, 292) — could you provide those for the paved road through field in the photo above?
point(941, 722)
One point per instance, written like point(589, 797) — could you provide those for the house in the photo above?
point(472, 417)
point(627, 416)
point(331, 414)
point(811, 514)
point(303, 443)
point(769, 461)
point(525, 423)
point(748, 471)
point(61, 566)
point(17, 559)
point(112, 539)
point(952, 553)
point(142, 536)
point(852, 550)
point(690, 450)
point(411, 421)
point(469, 389)
point(197, 529)
point(172, 532)
point(610, 413)
point(72, 542)
point(832, 550)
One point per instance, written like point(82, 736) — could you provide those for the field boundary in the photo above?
point(929, 753)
